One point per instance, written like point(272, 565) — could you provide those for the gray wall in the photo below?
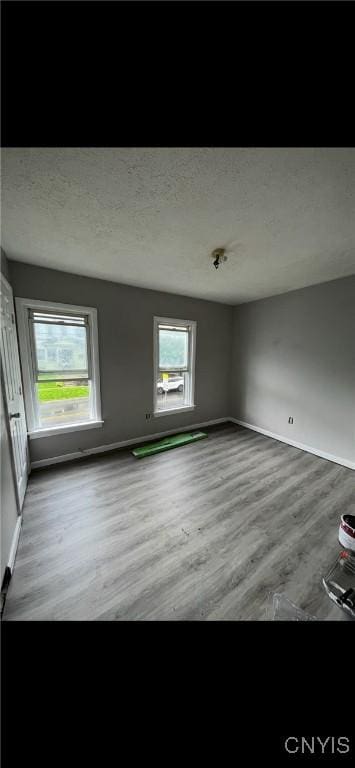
point(8, 494)
point(125, 324)
point(289, 355)
point(294, 355)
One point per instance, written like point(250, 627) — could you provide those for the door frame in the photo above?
point(7, 423)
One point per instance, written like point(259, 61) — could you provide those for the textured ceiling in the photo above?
point(151, 217)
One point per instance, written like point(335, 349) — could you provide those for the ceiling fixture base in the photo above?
point(218, 256)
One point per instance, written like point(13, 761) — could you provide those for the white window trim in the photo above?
point(178, 409)
point(192, 359)
point(22, 307)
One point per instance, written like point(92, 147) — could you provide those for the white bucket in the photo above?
point(347, 532)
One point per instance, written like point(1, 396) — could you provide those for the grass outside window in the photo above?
point(53, 390)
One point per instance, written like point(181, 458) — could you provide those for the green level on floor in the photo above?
point(173, 441)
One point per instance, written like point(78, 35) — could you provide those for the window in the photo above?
point(59, 355)
point(174, 364)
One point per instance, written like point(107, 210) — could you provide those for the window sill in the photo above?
point(171, 411)
point(49, 432)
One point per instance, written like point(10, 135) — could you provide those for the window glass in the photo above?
point(61, 349)
point(172, 390)
point(173, 348)
point(63, 402)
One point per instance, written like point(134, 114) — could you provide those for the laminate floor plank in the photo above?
point(208, 531)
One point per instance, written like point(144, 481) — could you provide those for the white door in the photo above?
point(13, 388)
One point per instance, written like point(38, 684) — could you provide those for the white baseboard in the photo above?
point(14, 543)
point(122, 444)
point(295, 444)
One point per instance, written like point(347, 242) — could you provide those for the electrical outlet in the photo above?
point(148, 415)
point(290, 419)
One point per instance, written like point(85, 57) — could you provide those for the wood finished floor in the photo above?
point(203, 532)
